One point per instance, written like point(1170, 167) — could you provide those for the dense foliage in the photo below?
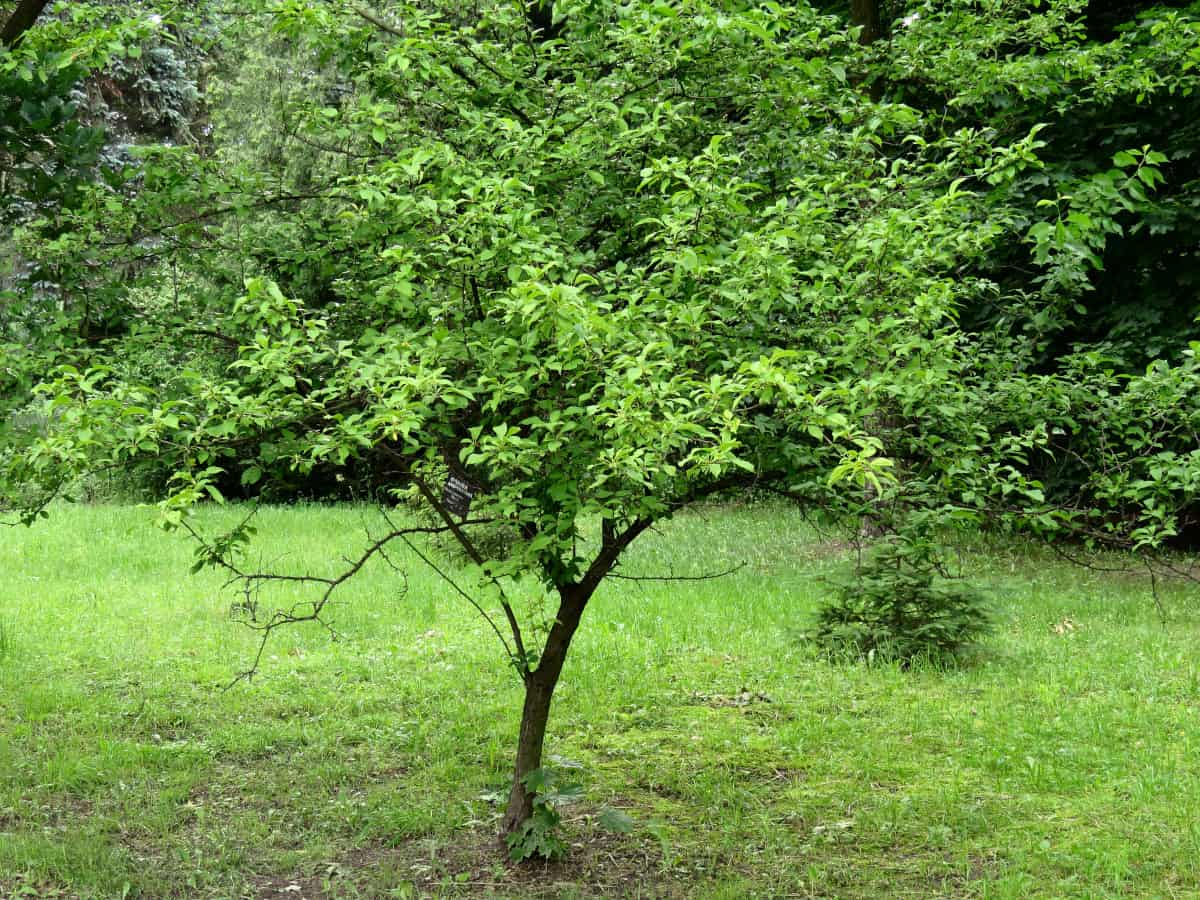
point(594, 262)
point(77, 93)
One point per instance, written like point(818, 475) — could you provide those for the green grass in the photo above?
point(1053, 764)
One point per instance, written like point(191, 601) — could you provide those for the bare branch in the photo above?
point(1158, 604)
point(707, 577)
point(377, 20)
point(219, 554)
point(231, 342)
point(517, 662)
point(476, 557)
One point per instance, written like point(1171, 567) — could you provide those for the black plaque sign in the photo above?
point(456, 496)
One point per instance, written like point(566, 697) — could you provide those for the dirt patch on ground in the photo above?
point(472, 863)
point(15, 886)
point(310, 888)
point(353, 874)
point(744, 697)
point(61, 811)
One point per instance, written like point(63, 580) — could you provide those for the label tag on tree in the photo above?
point(456, 496)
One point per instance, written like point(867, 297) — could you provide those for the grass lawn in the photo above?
point(1061, 762)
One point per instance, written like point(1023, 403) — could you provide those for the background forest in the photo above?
point(963, 231)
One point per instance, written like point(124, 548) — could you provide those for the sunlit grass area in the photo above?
point(1060, 760)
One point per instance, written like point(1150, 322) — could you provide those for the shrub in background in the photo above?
point(899, 605)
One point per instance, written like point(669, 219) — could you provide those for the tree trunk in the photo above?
point(865, 13)
point(540, 15)
point(21, 20)
point(534, 716)
point(873, 524)
point(539, 692)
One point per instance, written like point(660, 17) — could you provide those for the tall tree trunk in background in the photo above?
point(21, 21)
point(865, 13)
point(540, 15)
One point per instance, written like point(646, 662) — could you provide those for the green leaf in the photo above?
point(616, 820)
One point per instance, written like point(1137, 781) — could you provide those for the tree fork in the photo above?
point(541, 682)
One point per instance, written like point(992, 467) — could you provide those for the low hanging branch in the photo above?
point(710, 576)
point(517, 657)
point(220, 553)
point(468, 546)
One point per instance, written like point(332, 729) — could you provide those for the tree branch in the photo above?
point(377, 20)
point(477, 558)
point(707, 577)
point(21, 20)
point(398, 31)
point(219, 553)
point(610, 551)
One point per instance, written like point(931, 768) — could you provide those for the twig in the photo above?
point(708, 577)
point(519, 662)
point(216, 554)
point(476, 557)
point(1158, 604)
